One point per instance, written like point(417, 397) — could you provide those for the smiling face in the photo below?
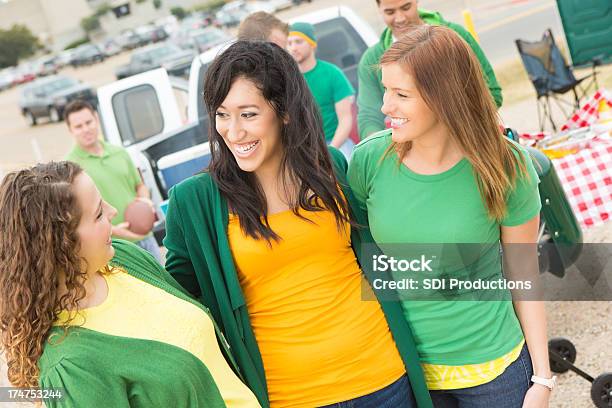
point(411, 118)
point(399, 15)
point(84, 125)
point(250, 128)
point(95, 226)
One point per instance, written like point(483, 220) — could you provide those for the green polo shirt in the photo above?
point(113, 173)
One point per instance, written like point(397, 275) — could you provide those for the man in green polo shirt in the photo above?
point(330, 87)
point(111, 169)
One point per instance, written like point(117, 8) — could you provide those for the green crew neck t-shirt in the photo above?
point(113, 173)
point(329, 86)
point(441, 210)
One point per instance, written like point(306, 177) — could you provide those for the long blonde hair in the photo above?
point(449, 78)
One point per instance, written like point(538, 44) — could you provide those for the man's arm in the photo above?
point(369, 101)
point(344, 112)
point(143, 192)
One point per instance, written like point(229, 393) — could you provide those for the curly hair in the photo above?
point(39, 249)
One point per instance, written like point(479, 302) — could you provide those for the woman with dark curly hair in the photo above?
point(100, 319)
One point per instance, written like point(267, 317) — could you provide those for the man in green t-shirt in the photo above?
point(399, 16)
point(331, 89)
point(111, 169)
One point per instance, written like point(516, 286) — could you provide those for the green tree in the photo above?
point(16, 43)
point(76, 43)
point(157, 4)
point(178, 12)
point(210, 5)
point(90, 23)
point(102, 10)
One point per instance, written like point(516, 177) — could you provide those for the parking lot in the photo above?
point(23, 145)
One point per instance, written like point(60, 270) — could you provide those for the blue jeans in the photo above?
point(506, 391)
point(149, 244)
point(396, 395)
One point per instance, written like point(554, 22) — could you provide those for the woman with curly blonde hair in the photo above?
point(100, 319)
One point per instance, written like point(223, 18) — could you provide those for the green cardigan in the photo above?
point(101, 370)
point(370, 97)
point(200, 259)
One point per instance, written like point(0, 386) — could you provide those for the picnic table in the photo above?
point(582, 156)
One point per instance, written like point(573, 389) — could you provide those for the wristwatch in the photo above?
point(551, 383)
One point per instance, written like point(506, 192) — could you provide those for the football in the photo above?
point(140, 216)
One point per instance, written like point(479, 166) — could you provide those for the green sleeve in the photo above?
point(178, 261)
point(369, 99)
point(81, 387)
point(339, 162)
point(523, 201)
point(342, 86)
point(489, 74)
point(356, 178)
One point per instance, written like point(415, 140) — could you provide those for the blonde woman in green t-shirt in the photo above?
point(444, 174)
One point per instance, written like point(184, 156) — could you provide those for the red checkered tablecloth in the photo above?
point(588, 114)
point(586, 178)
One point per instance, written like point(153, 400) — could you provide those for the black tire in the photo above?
point(601, 391)
point(30, 118)
point(54, 115)
point(565, 349)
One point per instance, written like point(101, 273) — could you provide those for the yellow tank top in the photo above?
point(445, 377)
point(319, 341)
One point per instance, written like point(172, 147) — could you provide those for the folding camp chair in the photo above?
point(552, 77)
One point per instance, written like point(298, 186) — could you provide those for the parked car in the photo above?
point(45, 66)
point(86, 54)
point(280, 5)
point(203, 39)
point(23, 74)
point(109, 47)
point(151, 34)
point(130, 40)
point(154, 56)
point(48, 97)
point(7, 77)
point(231, 14)
point(64, 58)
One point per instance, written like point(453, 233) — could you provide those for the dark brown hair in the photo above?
point(307, 173)
point(39, 216)
point(76, 106)
point(449, 78)
point(259, 25)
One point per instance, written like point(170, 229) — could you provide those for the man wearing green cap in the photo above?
point(328, 84)
point(399, 16)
